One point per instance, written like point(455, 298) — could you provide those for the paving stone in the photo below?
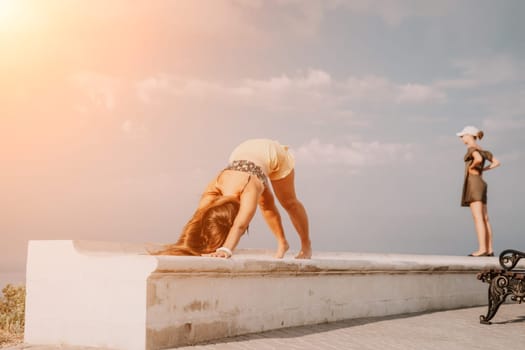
point(452, 330)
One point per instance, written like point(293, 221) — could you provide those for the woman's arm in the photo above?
point(474, 167)
point(248, 206)
point(494, 163)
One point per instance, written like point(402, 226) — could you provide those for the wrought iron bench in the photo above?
point(505, 282)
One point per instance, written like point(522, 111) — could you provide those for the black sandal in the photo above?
point(480, 255)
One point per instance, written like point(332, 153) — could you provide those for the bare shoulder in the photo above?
point(255, 186)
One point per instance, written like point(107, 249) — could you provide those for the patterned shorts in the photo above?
point(249, 167)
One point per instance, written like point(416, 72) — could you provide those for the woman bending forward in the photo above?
point(230, 200)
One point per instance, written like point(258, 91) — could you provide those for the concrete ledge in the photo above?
point(115, 295)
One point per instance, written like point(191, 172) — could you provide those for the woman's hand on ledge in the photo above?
point(221, 252)
point(217, 255)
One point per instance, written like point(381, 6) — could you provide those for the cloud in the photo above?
point(484, 71)
point(304, 19)
point(147, 88)
point(456, 83)
point(380, 89)
point(504, 107)
point(492, 70)
point(206, 88)
point(313, 87)
point(100, 89)
point(151, 89)
point(312, 79)
point(134, 130)
point(417, 93)
point(307, 17)
point(355, 155)
point(394, 12)
point(369, 88)
point(503, 124)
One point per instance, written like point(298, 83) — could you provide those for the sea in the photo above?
point(16, 278)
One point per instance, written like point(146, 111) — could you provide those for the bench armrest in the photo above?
point(509, 258)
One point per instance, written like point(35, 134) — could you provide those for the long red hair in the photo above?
point(207, 229)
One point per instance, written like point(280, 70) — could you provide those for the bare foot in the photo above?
point(281, 250)
point(305, 253)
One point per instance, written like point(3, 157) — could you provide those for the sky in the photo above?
point(115, 114)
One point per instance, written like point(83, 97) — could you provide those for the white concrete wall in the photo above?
point(86, 299)
point(113, 295)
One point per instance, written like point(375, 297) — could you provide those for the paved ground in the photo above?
point(450, 330)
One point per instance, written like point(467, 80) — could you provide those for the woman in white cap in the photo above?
point(475, 188)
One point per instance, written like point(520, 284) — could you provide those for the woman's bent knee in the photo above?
point(291, 204)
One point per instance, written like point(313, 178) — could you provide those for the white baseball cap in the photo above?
point(468, 130)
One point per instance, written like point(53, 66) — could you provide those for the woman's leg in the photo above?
point(272, 217)
point(285, 192)
point(479, 224)
point(488, 230)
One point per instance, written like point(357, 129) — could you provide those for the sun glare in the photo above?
point(7, 9)
point(11, 13)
